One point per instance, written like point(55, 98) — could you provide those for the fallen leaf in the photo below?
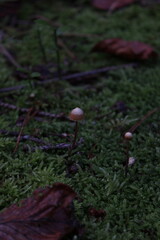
point(111, 4)
point(133, 50)
point(47, 215)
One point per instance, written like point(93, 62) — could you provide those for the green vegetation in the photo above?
point(132, 202)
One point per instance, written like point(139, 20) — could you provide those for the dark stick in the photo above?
point(51, 147)
point(9, 106)
point(29, 137)
point(88, 73)
point(10, 89)
point(77, 76)
point(7, 133)
point(30, 114)
point(33, 139)
point(25, 110)
point(23, 137)
point(8, 56)
point(67, 50)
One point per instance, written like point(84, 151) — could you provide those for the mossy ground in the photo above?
point(132, 202)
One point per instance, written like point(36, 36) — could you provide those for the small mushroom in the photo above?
point(128, 135)
point(131, 161)
point(76, 115)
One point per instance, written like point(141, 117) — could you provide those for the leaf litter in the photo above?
point(47, 215)
point(131, 50)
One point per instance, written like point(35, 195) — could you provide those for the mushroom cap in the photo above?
point(128, 135)
point(76, 114)
point(131, 161)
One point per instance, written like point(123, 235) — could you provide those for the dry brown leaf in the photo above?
point(47, 215)
point(133, 50)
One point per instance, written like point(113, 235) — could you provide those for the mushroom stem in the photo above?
point(75, 134)
point(127, 157)
point(74, 139)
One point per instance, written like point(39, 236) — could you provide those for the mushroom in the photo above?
point(76, 115)
point(128, 135)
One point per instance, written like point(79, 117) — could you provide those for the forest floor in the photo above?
point(52, 39)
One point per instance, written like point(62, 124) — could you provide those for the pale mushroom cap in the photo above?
point(76, 114)
point(128, 135)
point(131, 161)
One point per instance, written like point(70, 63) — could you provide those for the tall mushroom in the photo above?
point(76, 115)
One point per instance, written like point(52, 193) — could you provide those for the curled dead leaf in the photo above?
point(47, 215)
point(132, 50)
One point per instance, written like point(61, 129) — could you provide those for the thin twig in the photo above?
point(31, 113)
point(51, 147)
point(29, 137)
point(66, 49)
point(10, 89)
point(88, 73)
point(8, 105)
point(33, 139)
point(38, 113)
point(8, 56)
point(135, 126)
point(23, 137)
point(76, 76)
